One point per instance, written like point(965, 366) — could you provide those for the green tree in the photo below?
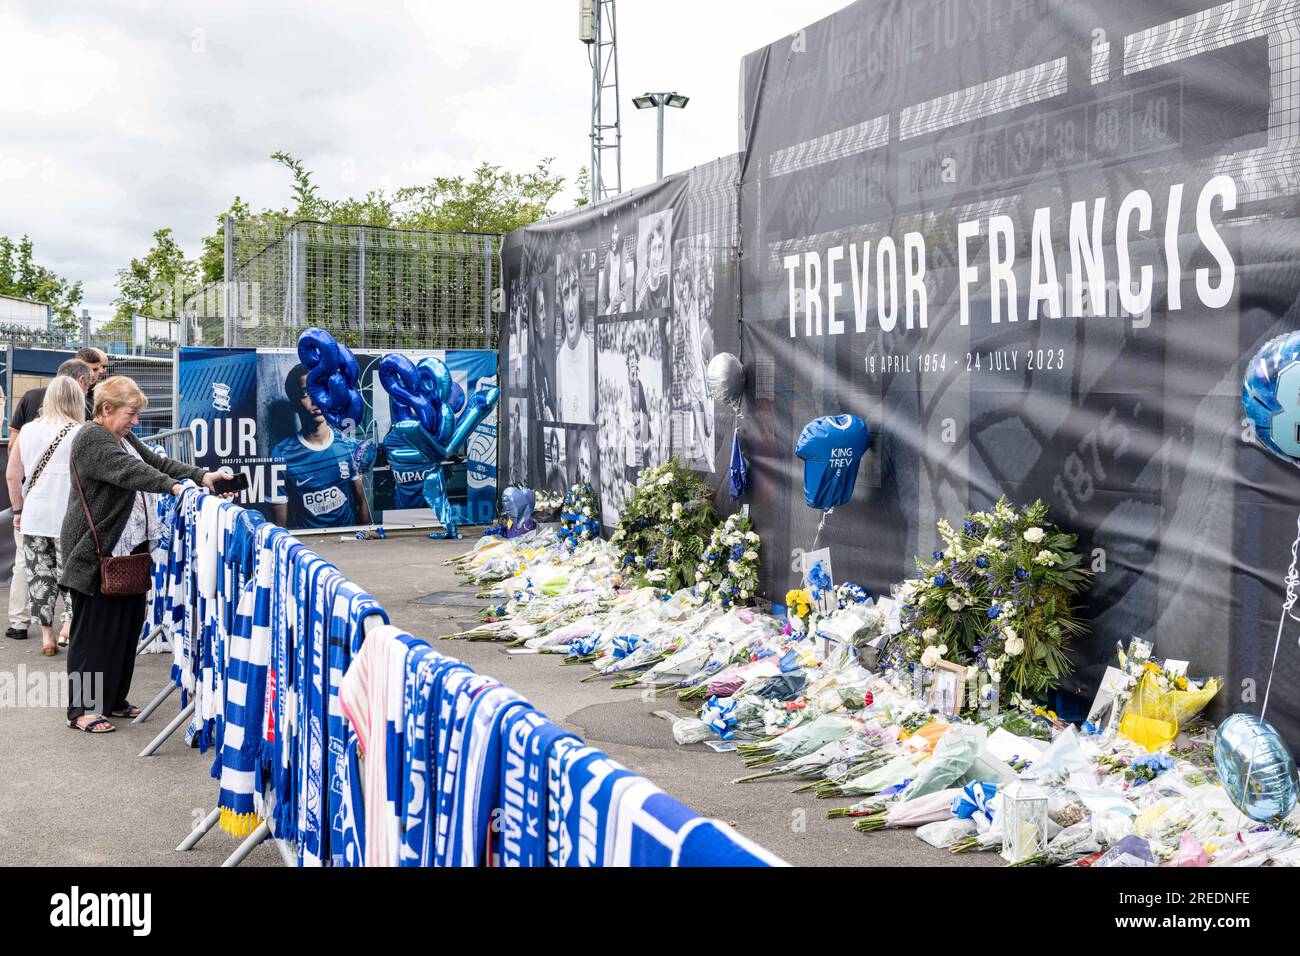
point(491, 199)
point(155, 285)
point(22, 276)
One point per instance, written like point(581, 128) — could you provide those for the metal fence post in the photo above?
point(361, 281)
point(228, 278)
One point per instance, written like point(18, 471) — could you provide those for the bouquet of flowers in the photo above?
point(999, 595)
point(665, 526)
point(578, 516)
point(546, 505)
point(727, 573)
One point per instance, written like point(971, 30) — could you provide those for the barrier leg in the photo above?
point(153, 636)
point(286, 853)
point(170, 729)
point(199, 832)
point(155, 703)
point(250, 843)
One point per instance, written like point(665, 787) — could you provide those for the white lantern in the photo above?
point(1024, 821)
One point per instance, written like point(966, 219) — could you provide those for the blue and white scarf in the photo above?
point(478, 784)
point(424, 767)
point(458, 692)
point(587, 789)
point(527, 740)
point(245, 698)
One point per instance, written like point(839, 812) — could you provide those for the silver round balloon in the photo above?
point(725, 377)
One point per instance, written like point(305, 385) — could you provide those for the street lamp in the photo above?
point(658, 101)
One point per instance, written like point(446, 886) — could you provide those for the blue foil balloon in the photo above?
point(1255, 767)
point(332, 377)
point(1270, 396)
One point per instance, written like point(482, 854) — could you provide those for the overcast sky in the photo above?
point(119, 118)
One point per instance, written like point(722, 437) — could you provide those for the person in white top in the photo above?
point(575, 372)
point(39, 487)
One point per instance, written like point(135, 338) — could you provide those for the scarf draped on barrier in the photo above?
point(362, 745)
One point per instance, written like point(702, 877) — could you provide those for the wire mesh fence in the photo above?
point(371, 287)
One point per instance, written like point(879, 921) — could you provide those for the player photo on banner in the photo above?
point(554, 469)
point(518, 332)
point(575, 355)
point(581, 453)
point(690, 335)
point(543, 324)
point(633, 406)
point(324, 467)
point(517, 469)
point(654, 243)
point(616, 283)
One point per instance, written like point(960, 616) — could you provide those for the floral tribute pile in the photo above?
point(887, 707)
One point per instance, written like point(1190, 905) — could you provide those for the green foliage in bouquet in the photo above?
point(999, 595)
point(665, 526)
point(728, 570)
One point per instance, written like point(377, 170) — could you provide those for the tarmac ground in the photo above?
point(71, 798)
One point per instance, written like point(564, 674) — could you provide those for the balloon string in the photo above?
point(817, 537)
point(1292, 583)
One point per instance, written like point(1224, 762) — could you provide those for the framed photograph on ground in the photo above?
point(948, 687)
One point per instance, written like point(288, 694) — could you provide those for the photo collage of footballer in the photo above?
point(610, 328)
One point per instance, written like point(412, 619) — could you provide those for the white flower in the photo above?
point(699, 575)
point(744, 595)
point(677, 508)
point(750, 536)
point(586, 512)
point(955, 603)
point(1014, 645)
point(704, 587)
point(1034, 535)
point(666, 480)
point(931, 657)
point(1009, 633)
point(751, 555)
point(640, 559)
point(943, 649)
point(929, 634)
point(991, 542)
point(1046, 558)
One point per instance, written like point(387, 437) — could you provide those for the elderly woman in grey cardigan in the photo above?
point(120, 478)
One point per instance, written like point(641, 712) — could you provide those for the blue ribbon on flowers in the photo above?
point(719, 717)
point(975, 799)
point(787, 662)
point(584, 645)
point(625, 644)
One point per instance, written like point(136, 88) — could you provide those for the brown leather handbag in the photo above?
point(118, 577)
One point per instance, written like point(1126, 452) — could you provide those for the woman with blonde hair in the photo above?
point(38, 481)
point(116, 480)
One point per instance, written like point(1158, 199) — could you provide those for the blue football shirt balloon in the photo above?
point(1270, 396)
point(1255, 767)
point(332, 377)
point(831, 448)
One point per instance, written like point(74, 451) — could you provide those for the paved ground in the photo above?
point(68, 798)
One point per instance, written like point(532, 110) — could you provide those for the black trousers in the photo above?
point(101, 653)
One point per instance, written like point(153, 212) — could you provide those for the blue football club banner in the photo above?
point(249, 409)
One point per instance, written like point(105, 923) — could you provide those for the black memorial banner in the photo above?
point(612, 314)
point(1033, 243)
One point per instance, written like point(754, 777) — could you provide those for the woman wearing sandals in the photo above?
point(39, 487)
point(115, 484)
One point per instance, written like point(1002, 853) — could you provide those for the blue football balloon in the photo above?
point(1255, 767)
point(1270, 396)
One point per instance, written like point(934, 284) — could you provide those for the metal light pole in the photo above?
point(658, 101)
